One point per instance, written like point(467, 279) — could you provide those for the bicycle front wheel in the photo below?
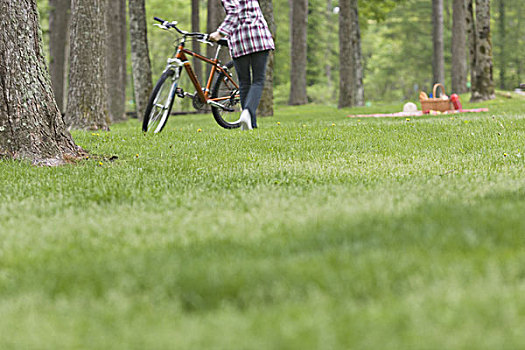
point(227, 94)
point(160, 103)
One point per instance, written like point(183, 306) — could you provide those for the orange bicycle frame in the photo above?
point(204, 94)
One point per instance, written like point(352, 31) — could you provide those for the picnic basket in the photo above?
point(436, 103)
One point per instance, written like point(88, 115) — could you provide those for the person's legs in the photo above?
point(258, 66)
point(242, 66)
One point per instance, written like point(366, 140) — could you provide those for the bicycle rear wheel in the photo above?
point(228, 95)
point(160, 103)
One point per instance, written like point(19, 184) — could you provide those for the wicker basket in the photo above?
point(436, 104)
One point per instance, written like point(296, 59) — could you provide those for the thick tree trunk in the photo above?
point(87, 106)
point(347, 76)
point(483, 70)
point(358, 56)
point(298, 37)
point(59, 15)
point(438, 59)
point(116, 59)
point(31, 126)
point(196, 27)
point(459, 52)
point(266, 106)
point(140, 61)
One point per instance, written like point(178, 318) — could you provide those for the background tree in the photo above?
point(472, 42)
point(359, 99)
point(347, 76)
point(483, 88)
point(87, 94)
point(328, 45)
point(298, 39)
point(196, 27)
point(438, 59)
point(31, 126)
point(459, 50)
point(266, 105)
point(216, 15)
point(140, 61)
point(116, 47)
point(502, 23)
point(59, 16)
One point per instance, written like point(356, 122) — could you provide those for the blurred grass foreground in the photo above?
point(315, 231)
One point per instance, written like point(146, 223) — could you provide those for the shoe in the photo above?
point(246, 120)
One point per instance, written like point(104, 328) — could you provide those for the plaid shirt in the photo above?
point(245, 27)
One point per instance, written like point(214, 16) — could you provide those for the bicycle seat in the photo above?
point(223, 42)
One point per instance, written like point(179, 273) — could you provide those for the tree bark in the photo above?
point(116, 59)
point(471, 34)
point(483, 69)
point(140, 61)
point(87, 106)
point(59, 16)
point(31, 126)
point(196, 27)
point(502, 43)
point(438, 59)
point(216, 15)
point(328, 45)
point(298, 56)
point(459, 52)
point(266, 106)
point(347, 76)
point(359, 99)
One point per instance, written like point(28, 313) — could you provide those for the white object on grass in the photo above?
point(410, 107)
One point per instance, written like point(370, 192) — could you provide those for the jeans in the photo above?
point(251, 70)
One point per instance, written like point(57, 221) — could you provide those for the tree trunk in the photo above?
point(298, 33)
point(358, 56)
point(483, 70)
point(31, 126)
point(116, 60)
point(471, 34)
point(519, 60)
point(87, 106)
point(140, 62)
point(459, 42)
point(266, 106)
point(502, 43)
point(346, 56)
point(196, 27)
point(328, 45)
point(216, 15)
point(59, 15)
point(438, 59)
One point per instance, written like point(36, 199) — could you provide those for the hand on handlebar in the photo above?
point(215, 36)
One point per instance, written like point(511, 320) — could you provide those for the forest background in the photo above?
point(396, 44)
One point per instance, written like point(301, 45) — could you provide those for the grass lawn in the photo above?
point(316, 231)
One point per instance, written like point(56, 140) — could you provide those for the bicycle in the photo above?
point(223, 98)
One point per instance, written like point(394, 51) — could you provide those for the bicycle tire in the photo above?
point(226, 119)
point(158, 112)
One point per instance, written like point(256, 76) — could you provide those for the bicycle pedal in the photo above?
point(179, 92)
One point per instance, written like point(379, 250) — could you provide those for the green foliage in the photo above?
point(396, 40)
point(314, 231)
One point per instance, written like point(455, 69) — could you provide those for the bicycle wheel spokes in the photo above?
point(226, 93)
point(160, 104)
point(160, 108)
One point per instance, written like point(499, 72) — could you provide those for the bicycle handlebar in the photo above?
point(200, 36)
